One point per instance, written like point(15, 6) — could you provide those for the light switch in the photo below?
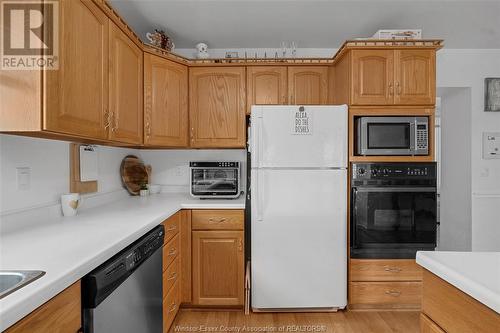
point(23, 178)
point(491, 145)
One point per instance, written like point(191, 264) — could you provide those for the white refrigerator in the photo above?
point(298, 207)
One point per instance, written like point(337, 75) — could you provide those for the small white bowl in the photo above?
point(154, 189)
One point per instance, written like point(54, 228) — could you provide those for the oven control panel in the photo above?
point(364, 171)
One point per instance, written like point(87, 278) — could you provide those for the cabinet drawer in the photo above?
point(384, 270)
point(171, 275)
point(385, 294)
point(170, 307)
point(170, 251)
point(217, 219)
point(172, 225)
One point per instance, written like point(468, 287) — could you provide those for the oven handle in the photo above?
point(353, 215)
point(396, 189)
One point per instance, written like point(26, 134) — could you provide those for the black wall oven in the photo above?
point(393, 209)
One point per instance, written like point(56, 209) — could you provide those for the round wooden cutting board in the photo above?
point(134, 173)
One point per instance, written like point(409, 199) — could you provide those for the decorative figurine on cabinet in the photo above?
point(202, 51)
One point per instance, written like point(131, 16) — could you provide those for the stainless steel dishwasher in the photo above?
point(124, 295)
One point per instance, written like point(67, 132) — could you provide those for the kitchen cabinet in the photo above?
point(428, 326)
point(218, 268)
point(125, 88)
point(266, 85)
point(165, 102)
point(372, 77)
point(384, 284)
point(453, 311)
point(171, 269)
point(61, 314)
point(393, 77)
point(308, 85)
point(76, 100)
point(415, 77)
point(217, 107)
point(218, 257)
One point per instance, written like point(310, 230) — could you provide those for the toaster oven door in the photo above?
point(210, 182)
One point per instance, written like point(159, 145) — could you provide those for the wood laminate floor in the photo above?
point(188, 320)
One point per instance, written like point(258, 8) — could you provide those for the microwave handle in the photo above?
point(413, 136)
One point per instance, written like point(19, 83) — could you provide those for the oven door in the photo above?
point(387, 136)
point(215, 182)
point(393, 221)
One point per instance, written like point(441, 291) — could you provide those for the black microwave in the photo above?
point(392, 135)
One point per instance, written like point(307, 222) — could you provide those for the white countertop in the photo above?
point(475, 273)
point(68, 248)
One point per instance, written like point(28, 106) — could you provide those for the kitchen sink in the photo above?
point(11, 281)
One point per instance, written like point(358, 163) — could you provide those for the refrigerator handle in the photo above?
point(259, 185)
point(258, 143)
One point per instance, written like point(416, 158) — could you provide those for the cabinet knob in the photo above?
point(392, 269)
point(393, 293)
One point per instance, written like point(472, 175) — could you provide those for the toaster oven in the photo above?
point(215, 180)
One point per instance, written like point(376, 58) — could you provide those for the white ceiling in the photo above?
point(312, 23)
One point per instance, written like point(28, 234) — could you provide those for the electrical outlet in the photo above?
point(23, 178)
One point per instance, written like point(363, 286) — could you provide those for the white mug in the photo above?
point(70, 203)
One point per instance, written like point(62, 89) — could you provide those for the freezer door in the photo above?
point(298, 239)
point(288, 136)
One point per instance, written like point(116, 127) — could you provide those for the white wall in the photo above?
point(467, 69)
point(49, 164)
point(455, 166)
point(171, 167)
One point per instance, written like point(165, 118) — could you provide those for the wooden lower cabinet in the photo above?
point(401, 295)
point(171, 304)
point(218, 268)
point(172, 273)
point(384, 284)
point(452, 310)
point(61, 314)
point(428, 326)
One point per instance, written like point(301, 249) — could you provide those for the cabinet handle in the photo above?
point(392, 269)
point(114, 120)
point(172, 228)
point(222, 219)
point(240, 245)
point(172, 307)
point(172, 276)
point(391, 89)
point(192, 134)
point(107, 116)
point(172, 251)
point(148, 129)
point(398, 88)
point(393, 293)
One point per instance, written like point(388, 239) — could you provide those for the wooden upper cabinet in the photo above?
point(372, 77)
point(217, 107)
point(125, 93)
point(308, 85)
point(218, 267)
point(415, 77)
point(76, 97)
point(165, 102)
point(266, 85)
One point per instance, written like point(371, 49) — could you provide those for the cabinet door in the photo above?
point(165, 102)
point(308, 85)
point(217, 107)
point(415, 77)
point(428, 326)
point(61, 314)
point(218, 268)
point(266, 85)
point(372, 77)
point(76, 96)
point(125, 93)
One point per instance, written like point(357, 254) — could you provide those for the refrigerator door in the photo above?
point(285, 136)
point(298, 238)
